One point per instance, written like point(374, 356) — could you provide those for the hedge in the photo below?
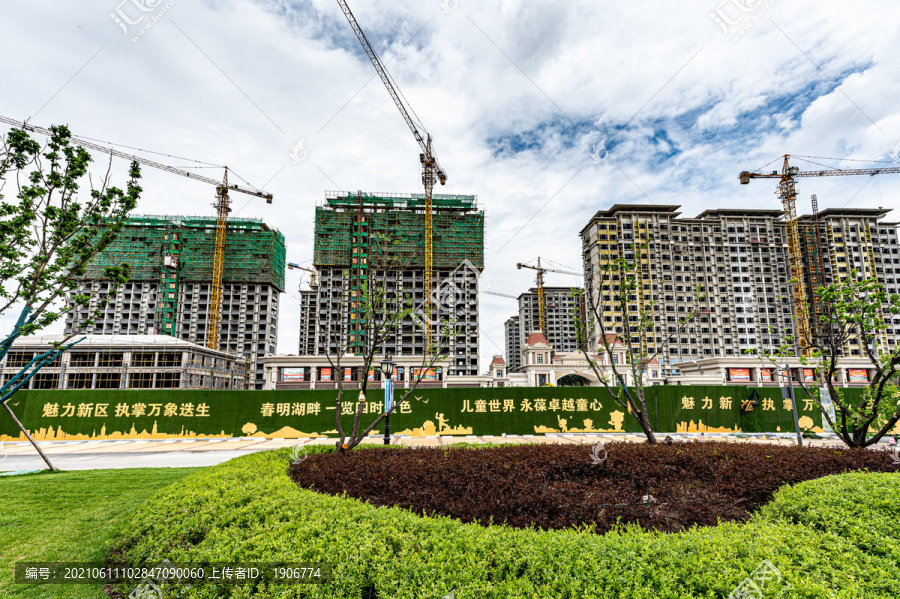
point(831, 537)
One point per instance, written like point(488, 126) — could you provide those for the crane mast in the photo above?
point(222, 205)
point(431, 169)
point(540, 287)
point(788, 194)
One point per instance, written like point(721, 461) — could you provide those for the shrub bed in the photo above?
point(561, 486)
point(248, 509)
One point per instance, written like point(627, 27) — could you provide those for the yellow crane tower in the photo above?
point(540, 287)
point(787, 192)
point(223, 207)
point(431, 169)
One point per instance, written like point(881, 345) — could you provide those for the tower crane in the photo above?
point(312, 271)
point(787, 192)
point(431, 169)
point(222, 205)
point(540, 286)
point(515, 297)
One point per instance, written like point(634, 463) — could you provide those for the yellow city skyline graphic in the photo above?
point(58, 434)
point(285, 432)
point(616, 419)
point(429, 429)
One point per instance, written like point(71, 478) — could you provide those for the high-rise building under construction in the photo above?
point(730, 266)
point(168, 291)
point(380, 238)
point(560, 310)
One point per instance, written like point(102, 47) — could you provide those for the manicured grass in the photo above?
point(835, 537)
point(69, 516)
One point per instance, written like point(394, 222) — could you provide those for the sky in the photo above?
point(547, 111)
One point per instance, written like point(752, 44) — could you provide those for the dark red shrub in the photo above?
point(558, 486)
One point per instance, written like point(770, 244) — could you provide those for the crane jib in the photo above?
point(113, 152)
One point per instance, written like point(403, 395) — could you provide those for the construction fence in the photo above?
point(171, 414)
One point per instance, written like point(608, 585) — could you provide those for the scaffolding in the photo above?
point(254, 253)
point(396, 230)
point(812, 234)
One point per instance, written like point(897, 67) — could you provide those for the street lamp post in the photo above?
point(387, 369)
point(788, 393)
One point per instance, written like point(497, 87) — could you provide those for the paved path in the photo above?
point(181, 453)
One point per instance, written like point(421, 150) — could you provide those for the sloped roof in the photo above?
point(535, 338)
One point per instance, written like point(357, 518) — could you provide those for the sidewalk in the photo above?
point(182, 453)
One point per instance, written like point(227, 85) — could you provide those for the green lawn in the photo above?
point(69, 516)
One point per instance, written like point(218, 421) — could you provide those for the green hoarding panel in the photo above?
point(172, 414)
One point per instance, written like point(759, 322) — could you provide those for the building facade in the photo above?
point(367, 240)
point(316, 372)
point(559, 306)
point(730, 267)
point(512, 337)
point(127, 362)
point(836, 242)
point(168, 292)
point(543, 366)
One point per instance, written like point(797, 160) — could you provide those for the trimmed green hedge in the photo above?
point(817, 534)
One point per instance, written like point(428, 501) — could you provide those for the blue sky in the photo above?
point(517, 95)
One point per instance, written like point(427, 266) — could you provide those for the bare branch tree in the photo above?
point(856, 309)
point(372, 314)
point(619, 276)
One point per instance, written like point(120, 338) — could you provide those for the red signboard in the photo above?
point(859, 375)
point(292, 374)
point(766, 375)
point(325, 374)
point(430, 374)
point(738, 374)
point(809, 375)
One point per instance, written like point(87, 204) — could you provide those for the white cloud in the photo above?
point(275, 72)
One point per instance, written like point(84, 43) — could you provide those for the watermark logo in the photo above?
point(3, 453)
point(736, 17)
point(150, 588)
point(449, 293)
point(146, 590)
point(754, 586)
point(449, 5)
point(895, 152)
point(123, 19)
point(451, 595)
point(599, 153)
point(298, 153)
point(298, 454)
point(895, 455)
point(132, 13)
point(599, 448)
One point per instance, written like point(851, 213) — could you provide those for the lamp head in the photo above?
point(387, 367)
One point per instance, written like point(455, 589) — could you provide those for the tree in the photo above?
point(374, 313)
point(854, 311)
point(48, 235)
point(619, 279)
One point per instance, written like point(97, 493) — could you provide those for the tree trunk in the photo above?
point(33, 442)
point(644, 421)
